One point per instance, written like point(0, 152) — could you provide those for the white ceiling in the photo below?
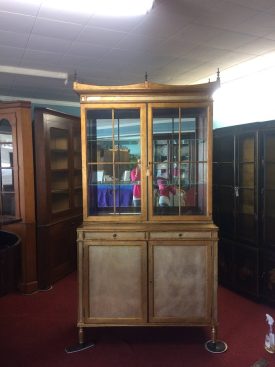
point(178, 42)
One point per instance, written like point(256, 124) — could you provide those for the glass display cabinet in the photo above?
point(17, 193)
point(244, 202)
point(59, 196)
point(147, 248)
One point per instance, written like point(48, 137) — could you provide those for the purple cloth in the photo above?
point(105, 195)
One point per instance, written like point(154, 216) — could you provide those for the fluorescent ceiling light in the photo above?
point(114, 8)
point(33, 72)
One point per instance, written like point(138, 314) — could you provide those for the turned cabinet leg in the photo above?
point(213, 333)
point(214, 345)
point(81, 343)
point(81, 335)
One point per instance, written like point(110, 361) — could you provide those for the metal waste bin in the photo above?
point(9, 261)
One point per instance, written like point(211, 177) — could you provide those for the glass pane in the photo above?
point(223, 149)
point(246, 175)
point(269, 217)
point(246, 149)
point(113, 151)
point(225, 202)
point(245, 222)
point(269, 175)
point(247, 273)
point(59, 164)
point(179, 161)
point(8, 204)
point(7, 185)
point(59, 141)
point(224, 174)
point(59, 181)
point(246, 201)
point(269, 147)
point(60, 201)
point(78, 198)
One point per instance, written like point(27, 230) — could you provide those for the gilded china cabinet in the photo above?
point(147, 248)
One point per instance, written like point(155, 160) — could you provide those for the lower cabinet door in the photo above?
point(181, 282)
point(115, 282)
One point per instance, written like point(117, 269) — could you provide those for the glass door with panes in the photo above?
point(245, 191)
point(59, 166)
point(178, 161)
point(115, 153)
point(268, 188)
point(9, 203)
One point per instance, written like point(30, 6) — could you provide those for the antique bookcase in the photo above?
point(17, 196)
point(58, 192)
point(147, 248)
point(244, 202)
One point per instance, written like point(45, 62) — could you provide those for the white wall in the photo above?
point(247, 99)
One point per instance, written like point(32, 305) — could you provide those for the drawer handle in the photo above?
point(180, 234)
point(114, 235)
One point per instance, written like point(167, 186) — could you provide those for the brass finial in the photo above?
point(218, 75)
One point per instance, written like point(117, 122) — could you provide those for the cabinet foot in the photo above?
point(79, 347)
point(215, 346)
point(81, 344)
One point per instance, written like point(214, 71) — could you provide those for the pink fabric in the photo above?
point(165, 189)
point(135, 176)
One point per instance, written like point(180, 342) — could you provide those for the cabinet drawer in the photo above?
point(179, 235)
point(114, 235)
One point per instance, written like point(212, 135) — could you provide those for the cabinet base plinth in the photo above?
point(79, 347)
point(217, 346)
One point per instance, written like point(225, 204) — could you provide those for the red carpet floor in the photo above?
point(35, 329)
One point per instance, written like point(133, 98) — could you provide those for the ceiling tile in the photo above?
point(52, 44)
point(20, 7)
point(228, 40)
point(10, 53)
point(51, 28)
point(260, 47)
point(116, 24)
point(255, 4)
point(74, 17)
point(87, 50)
point(16, 22)
point(100, 36)
point(13, 39)
point(42, 60)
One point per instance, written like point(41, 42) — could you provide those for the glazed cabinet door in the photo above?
point(115, 282)
point(179, 162)
point(9, 185)
point(268, 188)
point(246, 189)
point(224, 184)
point(114, 159)
point(180, 281)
